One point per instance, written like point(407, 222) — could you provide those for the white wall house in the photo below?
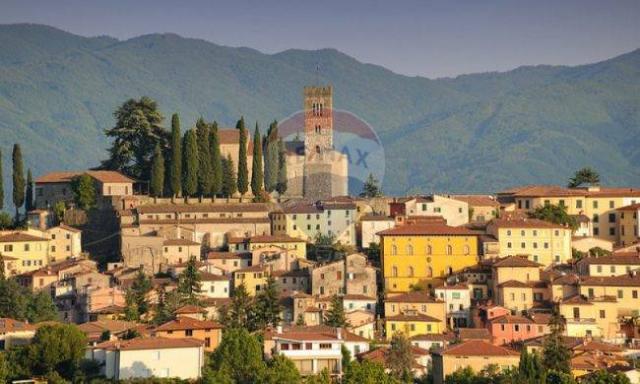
point(457, 303)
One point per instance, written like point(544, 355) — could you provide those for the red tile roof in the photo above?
point(427, 230)
point(511, 319)
point(516, 262)
point(189, 309)
point(612, 281)
point(204, 207)
point(477, 200)
point(184, 323)
point(176, 242)
point(8, 325)
point(412, 297)
point(102, 176)
point(523, 223)
point(316, 333)
point(413, 317)
point(477, 348)
point(19, 237)
point(142, 343)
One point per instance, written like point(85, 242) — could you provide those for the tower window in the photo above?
point(317, 129)
point(317, 149)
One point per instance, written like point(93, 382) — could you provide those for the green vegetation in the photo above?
point(189, 282)
point(1, 184)
point(137, 302)
point(205, 171)
point(556, 214)
point(216, 160)
point(22, 304)
point(400, 357)
point(281, 185)
point(243, 170)
point(229, 186)
point(175, 167)
point(584, 176)
point(157, 173)
point(29, 202)
point(271, 158)
point(257, 173)
point(18, 179)
point(335, 316)
point(84, 191)
point(371, 188)
point(190, 164)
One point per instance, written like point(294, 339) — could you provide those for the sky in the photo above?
point(411, 37)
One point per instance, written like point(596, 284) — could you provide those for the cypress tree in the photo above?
point(257, 175)
point(271, 157)
point(157, 172)
point(243, 170)
point(175, 169)
point(281, 187)
point(29, 198)
point(229, 179)
point(190, 164)
point(1, 184)
point(18, 179)
point(216, 160)
point(204, 158)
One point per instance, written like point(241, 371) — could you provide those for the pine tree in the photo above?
point(216, 160)
point(175, 169)
point(271, 158)
point(281, 186)
point(136, 297)
point(189, 282)
point(18, 179)
point(29, 198)
point(371, 188)
point(1, 184)
point(555, 355)
point(205, 178)
point(229, 186)
point(257, 174)
point(400, 357)
point(243, 170)
point(157, 173)
point(84, 192)
point(238, 313)
point(335, 315)
point(190, 164)
point(268, 306)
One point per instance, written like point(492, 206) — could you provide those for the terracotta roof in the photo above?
point(412, 297)
point(142, 343)
point(189, 309)
point(113, 326)
point(524, 223)
point(477, 348)
point(109, 309)
point(230, 136)
point(214, 255)
point(520, 284)
point(19, 237)
point(594, 345)
point(379, 355)
point(318, 332)
point(632, 207)
point(577, 299)
point(516, 262)
point(358, 297)
point(473, 334)
point(8, 325)
point(206, 276)
point(413, 317)
point(630, 258)
point(275, 239)
point(209, 220)
point(433, 337)
point(67, 227)
point(613, 281)
point(66, 177)
point(557, 191)
point(174, 242)
point(426, 230)
point(511, 319)
point(210, 207)
point(184, 323)
point(477, 200)
point(376, 218)
point(253, 268)
point(292, 273)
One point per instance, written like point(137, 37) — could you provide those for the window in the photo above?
point(612, 269)
point(188, 332)
point(596, 231)
point(578, 203)
point(634, 294)
point(620, 294)
point(394, 250)
point(449, 250)
point(516, 327)
point(612, 204)
point(612, 217)
point(612, 231)
point(455, 295)
point(410, 271)
point(509, 232)
point(523, 245)
point(410, 250)
point(535, 245)
point(546, 245)
point(394, 271)
point(429, 250)
point(602, 314)
point(509, 245)
point(466, 249)
point(591, 293)
point(561, 203)
point(338, 275)
point(522, 233)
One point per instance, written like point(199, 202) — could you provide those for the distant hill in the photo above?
point(475, 133)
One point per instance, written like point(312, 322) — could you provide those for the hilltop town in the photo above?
point(230, 257)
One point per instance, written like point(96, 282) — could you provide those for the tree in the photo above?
point(335, 315)
point(400, 357)
point(367, 372)
point(268, 306)
point(57, 348)
point(555, 355)
point(190, 164)
point(18, 179)
point(175, 168)
point(257, 174)
point(556, 214)
point(281, 370)
point(59, 208)
point(243, 170)
point(238, 314)
point(29, 203)
point(168, 302)
point(229, 186)
point(321, 378)
point(530, 370)
point(585, 175)
point(216, 160)
point(14, 300)
point(239, 356)
point(84, 191)
point(157, 173)
point(189, 282)
point(5, 220)
point(137, 303)
point(371, 188)
point(40, 307)
point(1, 184)
point(136, 133)
point(205, 177)
point(604, 377)
point(281, 185)
point(271, 158)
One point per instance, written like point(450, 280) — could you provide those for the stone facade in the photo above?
point(351, 276)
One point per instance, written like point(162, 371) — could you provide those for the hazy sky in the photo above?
point(430, 38)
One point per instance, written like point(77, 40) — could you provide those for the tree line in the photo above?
point(192, 164)
point(22, 191)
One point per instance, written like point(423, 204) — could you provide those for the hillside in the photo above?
point(475, 133)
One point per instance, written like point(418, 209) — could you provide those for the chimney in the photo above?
point(279, 329)
point(339, 333)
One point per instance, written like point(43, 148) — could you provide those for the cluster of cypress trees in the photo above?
point(197, 168)
point(23, 191)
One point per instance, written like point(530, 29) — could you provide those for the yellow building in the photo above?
point(295, 246)
point(610, 265)
point(597, 203)
point(517, 283)
point(481, 207)
point(625, 289)
point(416, 254)
point(207, 331)
point(254, 278)
point(31, 252)
point(628, 224)
point(412, 323)
point(544, 242)
point(593, 317)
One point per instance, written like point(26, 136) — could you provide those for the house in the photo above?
point(308, 220)
point(412, 323)
point(508, 329)
point(482, 208)
point(186, 327)
point(214, 286)
point(623, 288)
point(146, 357)
point(229, 262)
point(56, 187)
point(419, 367)
point(14, 332)
point(353, 302)
point(177, 251)
point(586, 244)
point(361, 322)
point(628, 224)
point(95, 330)
point(609, 265)
point(30, 252)
point(370, 225)
point(352, 275)
point(292, 281)
point(416, 254)
point(294, 246)
point(457, 303)
point(65, 242)
point(475, 354)
point(432, 341)
point(253, 278)
point(517, 283)
point(598, 203)
point(544, 242)
point(414, 305)
point(313, 349)
point(455, 212)
point(592, 317)
point(46, 277)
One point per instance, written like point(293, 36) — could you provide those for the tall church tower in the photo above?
point(318, 122)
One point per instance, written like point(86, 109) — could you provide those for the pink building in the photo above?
point(508, 328)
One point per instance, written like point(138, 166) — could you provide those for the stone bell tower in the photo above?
point(318, 143)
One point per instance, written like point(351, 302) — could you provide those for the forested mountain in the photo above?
point(473, 133)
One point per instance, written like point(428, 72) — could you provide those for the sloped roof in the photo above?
point(477, 348)
point(20, 237)
point(426, 230)
point(516, 262)
point(413, 317)
point(208, 207)
point(184, 323)
point(8, 325)
point(67, 176)
point(412, 297)
point(176, 242)
point(142, 343)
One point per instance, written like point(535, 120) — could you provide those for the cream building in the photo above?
point(455, 212)
point(294, 246)
point(628, 232)
point(28, 252)
point(370, 225)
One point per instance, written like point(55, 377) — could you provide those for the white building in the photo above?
point(149, 357)
point(457, 303)
point(354, 302)
point(214, 286)
point(370, 225)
